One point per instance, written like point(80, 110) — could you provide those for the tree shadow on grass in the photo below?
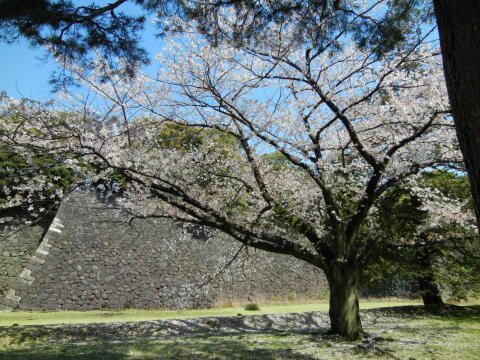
point(181, 349)
point(446, 312)
point(64, 352)
point(300, 323)
point(205, 338)
point(461, 314)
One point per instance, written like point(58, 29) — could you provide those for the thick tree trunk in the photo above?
point(429, 291)
point(344, 310)
point(459, 27)
point(426, 279)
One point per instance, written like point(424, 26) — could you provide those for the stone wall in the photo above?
point(17, 245)
point(92, 258)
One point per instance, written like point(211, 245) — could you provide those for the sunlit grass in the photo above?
point(104, 316)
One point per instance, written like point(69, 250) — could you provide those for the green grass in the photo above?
point(453, 336)
point(104, 316)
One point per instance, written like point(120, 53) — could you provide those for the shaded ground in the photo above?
point(396, 333)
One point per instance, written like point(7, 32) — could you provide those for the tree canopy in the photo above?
point(71, 31)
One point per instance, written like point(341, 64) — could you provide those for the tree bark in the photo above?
point(459, 28)
point(344, 310)
point(426, 280)
point(429, 291)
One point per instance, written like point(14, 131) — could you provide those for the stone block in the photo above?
point(13, 297)
point(26, 275)
point(34, 266)
point(41, 251)
point(37, 259)
point(20, 285)
point(10, 303)
point(5, 308)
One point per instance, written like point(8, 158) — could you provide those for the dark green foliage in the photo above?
point(72, 31)
point(429, 261)
point(278, 160)
point(317, 23)
point(398, 25)
point(18, 169)
point(400, 214)
point(449, 183)
point(126, 305)
point(178, 137)
point(252, 307)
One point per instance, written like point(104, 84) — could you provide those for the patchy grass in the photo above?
point(449, 335)
point(120, 315)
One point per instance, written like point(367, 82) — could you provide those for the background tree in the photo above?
point(455, 249)
point(26, 194)
point(433, 251)
point(33, 181)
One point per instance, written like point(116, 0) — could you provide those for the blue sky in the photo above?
point(24, 71)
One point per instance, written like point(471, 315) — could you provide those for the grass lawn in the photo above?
point(103, 316)
point(454, 335)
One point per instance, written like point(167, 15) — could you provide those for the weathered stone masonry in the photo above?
point(17, 245)
point(20, 286)
point(92, 258)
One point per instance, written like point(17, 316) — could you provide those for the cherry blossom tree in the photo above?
point(349, 126)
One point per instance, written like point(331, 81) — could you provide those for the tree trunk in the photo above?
point(344, 310)
point(426, 280)
point(429, 291)
point(459, 28)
